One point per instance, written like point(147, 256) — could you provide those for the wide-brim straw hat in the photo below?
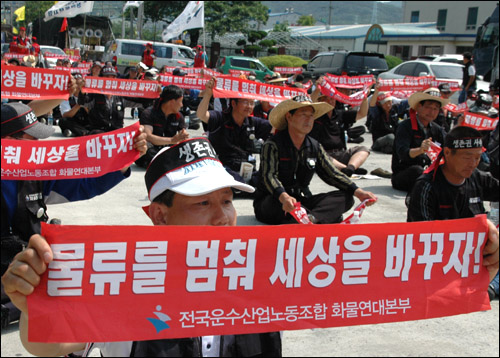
point(277, 116)
point(430, 94)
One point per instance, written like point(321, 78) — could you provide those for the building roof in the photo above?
point(360, 31)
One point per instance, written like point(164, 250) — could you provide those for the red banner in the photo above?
point(83, 157)
point(193, 71)
point(413, 84)
point(182, 281)
point(122, 87)
point(480, 122)
point(456, 108)
point(330, 90)
point(349, 82)
point(288, 70)
point(34, 83)
point(228, 87)
point(189, 82)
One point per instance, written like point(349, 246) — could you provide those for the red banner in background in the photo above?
point(288, 70)
point(480, 122)
point(350, 81)
point(232, 87)
point(330, 90)
point(122, 87)
point(236, 280)
point(83, 157)
point(20, 82)
point(188, 82)
point(414, 84)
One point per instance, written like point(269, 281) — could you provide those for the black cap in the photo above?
point(18, 117)
point(444, 87)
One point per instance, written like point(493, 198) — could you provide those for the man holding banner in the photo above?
point(24, 201)
point(233, 132)
point(187, 185)
point(456, 189)
point(288, 162)
point(414, 137)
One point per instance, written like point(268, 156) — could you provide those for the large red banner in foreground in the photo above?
point(83, 157)
point(122, 283)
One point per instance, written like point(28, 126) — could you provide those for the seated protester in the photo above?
point(384, 120)
point(234, 132)
point(131, 74)
point(444, 118)
point(163, 123)
point(142, 103)
point(329, 131)
point(262, 109)
point(288, 162)
point(95, 69)
point(106, 112)
point(414, 136)
point(175, 196)
point(457, 189)
point(354, 133)
point(24, 202)
point(75, 118)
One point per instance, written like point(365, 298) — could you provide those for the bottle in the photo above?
point(493, 215)
point(186, 121)
point(135, 113)
point(50, 119)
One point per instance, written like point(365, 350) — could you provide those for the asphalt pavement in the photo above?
point(475, 334)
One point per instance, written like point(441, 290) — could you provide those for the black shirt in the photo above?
point(330, 132)
point(438, 199)
point(163, 126)
point(234, 144)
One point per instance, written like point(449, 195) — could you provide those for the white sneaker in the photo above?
point(67, 133)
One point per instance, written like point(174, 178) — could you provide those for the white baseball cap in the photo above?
point(189, 168)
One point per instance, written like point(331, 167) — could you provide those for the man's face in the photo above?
point(213, 209)
point(463, 163)
point(428, 111)
point(387, 106)
point(446, 95)
point(173, 106)
point(243, 107)
point(302, 121)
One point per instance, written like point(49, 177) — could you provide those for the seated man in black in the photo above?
point(414, 136)
point(331, 131)
point(234, 133)
point(288, 162)
point(106, 112)
point(163, 123)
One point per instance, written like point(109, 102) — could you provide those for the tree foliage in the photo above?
point(36, 9)
point(306, 20)
point(222, 17)
point(282, 27)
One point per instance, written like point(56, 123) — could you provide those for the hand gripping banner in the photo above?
point(83, 157)
point(125, 283)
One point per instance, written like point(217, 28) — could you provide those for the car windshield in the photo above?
point(55, 50)
point(186, 53)
point(451, 72)
point(366, 62)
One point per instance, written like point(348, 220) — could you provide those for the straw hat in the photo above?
point(430, 94)
point(29, 61)
point(277, 116)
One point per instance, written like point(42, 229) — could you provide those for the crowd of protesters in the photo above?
point(295, 139)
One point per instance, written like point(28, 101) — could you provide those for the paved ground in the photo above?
point(474, 334)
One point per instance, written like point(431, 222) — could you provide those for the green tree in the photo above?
point(222, 17)
point(36, 9)
point(283, 27)
point(306, 20)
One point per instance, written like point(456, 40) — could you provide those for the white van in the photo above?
point(128, 53)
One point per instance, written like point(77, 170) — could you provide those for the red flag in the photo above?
point(64, 25)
